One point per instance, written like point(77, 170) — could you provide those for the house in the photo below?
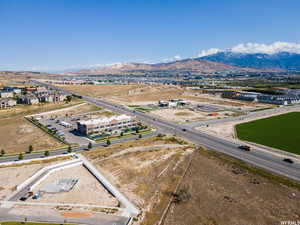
point(17, 90)
point(7, 102)
point(28, 99)
point(6, 94)
point(106, 125)
point(12, 89)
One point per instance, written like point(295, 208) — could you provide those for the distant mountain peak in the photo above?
point(282, 60)
point(256, 48)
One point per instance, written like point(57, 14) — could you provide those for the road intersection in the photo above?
point(261, 159)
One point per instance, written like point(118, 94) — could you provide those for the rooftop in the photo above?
point(105, 119)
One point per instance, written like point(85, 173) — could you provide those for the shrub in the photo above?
point(21, 156)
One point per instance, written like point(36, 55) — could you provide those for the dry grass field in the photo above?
point(16, 133)
point(144, 170)
point(101, 90)
point(79, 109)
point(140, 94)
point(222, 192)
point(216, 189)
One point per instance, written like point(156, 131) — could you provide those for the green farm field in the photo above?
point(281, 132)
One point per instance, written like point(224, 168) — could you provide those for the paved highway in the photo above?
point(259, 159)
point(75, 149)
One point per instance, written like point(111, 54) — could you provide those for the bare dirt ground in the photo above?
point(6, 80)
point(144, 170)
point(226, 130)
point(87, 191)
point(11, 176)
point(140, 94)
point(101, 90)
point(16, 133)
point(221, 192)
point(218, 189)
point(186, 115)
point(62, 212)
point(80, 109)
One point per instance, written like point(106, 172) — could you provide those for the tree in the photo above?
point(140, 135)
point(122, 134)
point(30, 149)
point(69, 149)
point(90, 145)
point(69, 98)
point(2, 152)
point(47, 153)
point(137, 130)
point(108, 142)
point(21, 156)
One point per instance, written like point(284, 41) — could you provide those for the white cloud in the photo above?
point(174, 58)
point(210, 51)
point(273, 48)
point(267, 49)
point(177, 57)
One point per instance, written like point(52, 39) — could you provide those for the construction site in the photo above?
point(69, 188)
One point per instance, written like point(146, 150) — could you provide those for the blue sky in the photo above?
point(59, 34)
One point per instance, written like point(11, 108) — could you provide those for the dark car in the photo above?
point(244, 147)
point(23, 198)
point(288, 160)
point(184, 130)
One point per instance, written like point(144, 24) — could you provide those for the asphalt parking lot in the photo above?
point(66, 127)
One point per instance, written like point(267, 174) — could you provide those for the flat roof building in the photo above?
point(106, 125)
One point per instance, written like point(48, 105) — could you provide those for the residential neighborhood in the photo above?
point(11, 96)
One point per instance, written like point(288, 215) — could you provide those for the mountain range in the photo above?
point(191, 66)
point(276, 61)
point(223, 61)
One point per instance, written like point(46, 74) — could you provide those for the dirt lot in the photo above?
point(231, 195)
point(227, 129)
point(16, 133)
point(80, 109)
point(6, 80)
point(186, 115)
point(218, 189)
point(101, 90)
point(155, 167)
point(14, 175)
point(86, 191)
point(140, 94)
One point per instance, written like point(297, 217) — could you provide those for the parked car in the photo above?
point(245, 147)
point(36, 196)
point(288, 160)
point(26, 196)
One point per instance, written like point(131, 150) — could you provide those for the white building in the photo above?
point(112, 125)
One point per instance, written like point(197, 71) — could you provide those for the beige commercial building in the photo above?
point(110, 125)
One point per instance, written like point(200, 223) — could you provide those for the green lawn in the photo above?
point(27, 223)
point(282, 132)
